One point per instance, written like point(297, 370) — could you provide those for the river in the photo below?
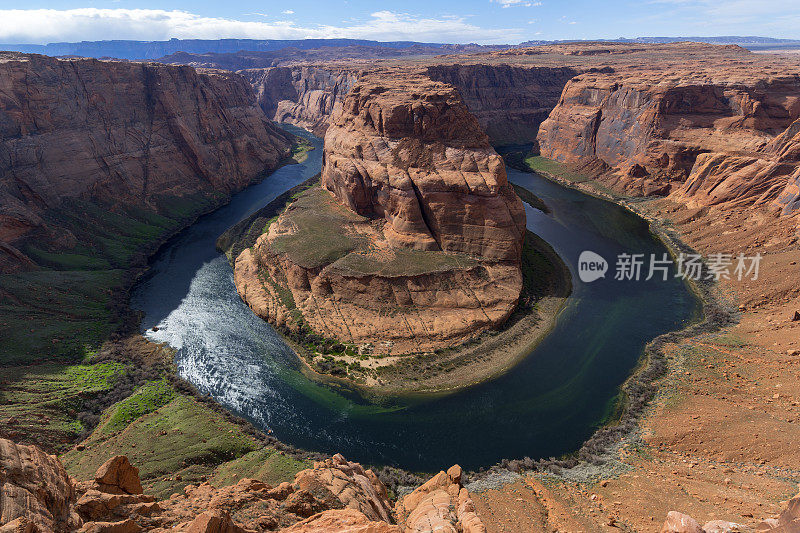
point(545, 406)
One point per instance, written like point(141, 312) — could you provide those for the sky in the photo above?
point(453, 21)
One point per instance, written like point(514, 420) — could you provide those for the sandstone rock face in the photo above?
point(418, 246)
point(510, 102)
point(409, 152)
point(343, 520)
point(119, 135)
point(711, 138)
point(302, 95)
point(441, 504)
point(118, 476)
point(34, 489)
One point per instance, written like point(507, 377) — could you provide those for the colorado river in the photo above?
point(545, 406)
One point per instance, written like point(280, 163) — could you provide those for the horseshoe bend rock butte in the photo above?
point(412, 243)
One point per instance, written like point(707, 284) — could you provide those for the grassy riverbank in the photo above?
point(74, 366)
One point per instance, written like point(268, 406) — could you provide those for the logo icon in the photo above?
point(591, 266)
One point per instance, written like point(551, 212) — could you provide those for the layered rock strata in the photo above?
point(725, 137)
point(510, 102)
point(121, 136)
point(414, 241)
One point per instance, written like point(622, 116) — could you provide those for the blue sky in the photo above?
point(481, 21)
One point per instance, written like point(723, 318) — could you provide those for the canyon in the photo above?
point(700, 139)
point(708, 124)
point(120, 137)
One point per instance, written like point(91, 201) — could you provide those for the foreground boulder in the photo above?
point(35, 490)
point(440, 505)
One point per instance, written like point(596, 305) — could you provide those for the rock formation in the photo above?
point(418, 246)
point(510, 102)
point(121, 136)
point(411, 153)
point(440, 504)
point(35, 489)
point(335, 496)
point(303, 95)
point(709, 136)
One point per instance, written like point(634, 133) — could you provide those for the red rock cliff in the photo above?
point(302, 95)
point(510, 102)
point(708, 136)
point(120, 135)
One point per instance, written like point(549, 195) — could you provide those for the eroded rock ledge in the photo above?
point(413, 243)
point(707, 136)
point(335, 496)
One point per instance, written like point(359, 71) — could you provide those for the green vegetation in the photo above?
point(543, 271)
point(46, 399)
point(69, 307)
point(558, 170)
point(541, 164)
point(267, 465)
point(405, 262)
point(147, 399)
point(321, 235)
point(244, 234)
point(55, 315)
point(183, 436)
point(301, 149)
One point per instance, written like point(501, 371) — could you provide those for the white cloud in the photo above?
point(51, 25)
point(288, 12)
point(516, 3)
point(735, 17)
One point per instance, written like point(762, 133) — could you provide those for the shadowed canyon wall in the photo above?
point(303, 96)
point(120, 136)
point(510, 102)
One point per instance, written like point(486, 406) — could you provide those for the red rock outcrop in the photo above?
point(122, 136)
point(343, 520)
point(335, 496)
point(419, 245)
point(35, 490)
point(441, 504)
point(410, 152)
point(724, 136)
